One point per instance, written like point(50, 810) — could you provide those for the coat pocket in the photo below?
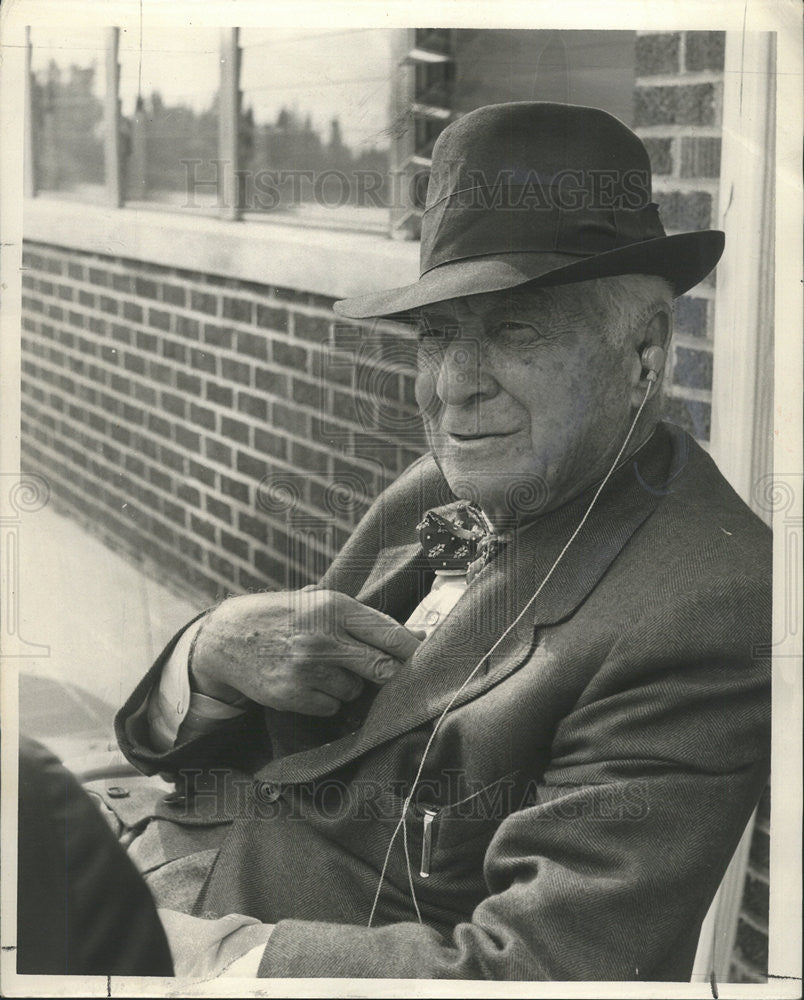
point(458, 833)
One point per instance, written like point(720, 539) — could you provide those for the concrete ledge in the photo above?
point(322, 261)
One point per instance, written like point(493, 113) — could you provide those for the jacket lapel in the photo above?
point(502, 593)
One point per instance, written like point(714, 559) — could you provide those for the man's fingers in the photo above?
point(381, 631)
point(317, 703)
point(345, 685)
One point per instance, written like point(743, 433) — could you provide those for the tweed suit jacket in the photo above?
point(583, 796)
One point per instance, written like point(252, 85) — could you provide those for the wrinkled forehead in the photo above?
point(532, 301)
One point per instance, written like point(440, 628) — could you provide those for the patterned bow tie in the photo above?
point(459, 536)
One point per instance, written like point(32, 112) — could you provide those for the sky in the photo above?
point(341, 71)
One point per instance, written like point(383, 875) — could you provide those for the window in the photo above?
point(314, 137)
point(331, 128)
point(169, 117)
point(68, 82)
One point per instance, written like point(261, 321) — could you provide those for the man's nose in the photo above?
point(462, 374)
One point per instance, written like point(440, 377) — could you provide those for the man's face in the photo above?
point(525, 400)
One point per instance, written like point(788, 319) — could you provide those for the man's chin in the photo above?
point(503, 496)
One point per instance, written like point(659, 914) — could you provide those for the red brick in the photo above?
point(98, 277)
point(145, 289)
point(203, 528)
point(221, 566)
point(290, 419)
point(267, 380)
point(657, 53)
point(309, 458)
point(222, 394)
point(678, 105)
point(172, 459)
point(158, 425)
point(235, 429)
point(159, 319)
point(240, 310)
point(252, 344)
point(146, 341)
point(160, 373)
point(269, 443)
point(187, 439)
point(160, 479)
point(218, 452)
point(132, 312)
point(217, 336)
point(174, 404)
point(289, 355)
point(705, 50)
point(273, 318)
point(202, 416)
point(201, 302)
point(174, 294)
point(314, 328)
point(254, 406)
point(252, 526)
point(234, 488)
point(234, 545)
point(222, 511)
point(119, 332)
point(274, 569)
point(134, 363)
point(236, 371)
point(203, 361)
point(188, 327)
point(202, 473)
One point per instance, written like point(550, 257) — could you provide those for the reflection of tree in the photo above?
point(159, 137)
point(290, 143)
point(67, 129)
point(173, 133)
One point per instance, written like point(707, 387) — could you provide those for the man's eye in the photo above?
point(516, 332)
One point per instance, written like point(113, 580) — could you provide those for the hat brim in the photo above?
point(683, 260)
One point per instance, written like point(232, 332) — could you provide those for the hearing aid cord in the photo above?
point(651, 378)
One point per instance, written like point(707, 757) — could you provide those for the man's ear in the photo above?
point(656, 332)
point(659, 328)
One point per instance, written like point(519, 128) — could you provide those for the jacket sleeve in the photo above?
point(233, 743)
point(609, 872)
point(246, 740)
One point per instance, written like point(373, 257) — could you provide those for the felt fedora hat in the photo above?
point(538, 192)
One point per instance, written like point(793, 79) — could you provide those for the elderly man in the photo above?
point(517, 729)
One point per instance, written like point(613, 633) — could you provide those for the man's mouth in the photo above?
point(479, 435)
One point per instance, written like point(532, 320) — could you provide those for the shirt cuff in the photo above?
point(248, 965)
point(170, 702)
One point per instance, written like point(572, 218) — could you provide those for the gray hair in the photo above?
point(629, 300)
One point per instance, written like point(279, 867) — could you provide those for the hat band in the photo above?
point(456, 229)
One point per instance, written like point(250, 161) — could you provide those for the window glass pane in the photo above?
point(67, 92)
point(315, 136)
point(168, 96)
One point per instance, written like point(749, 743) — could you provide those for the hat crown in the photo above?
point(539, 177)
point(538, 143)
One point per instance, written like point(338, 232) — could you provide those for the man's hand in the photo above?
point(306, 651)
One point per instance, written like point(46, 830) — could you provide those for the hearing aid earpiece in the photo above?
point(652, 359)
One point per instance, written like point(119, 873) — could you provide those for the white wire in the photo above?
point(406, 805)
point(407, 865)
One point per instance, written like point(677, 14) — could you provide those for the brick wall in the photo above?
point(226, 435)
point(677, 114)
